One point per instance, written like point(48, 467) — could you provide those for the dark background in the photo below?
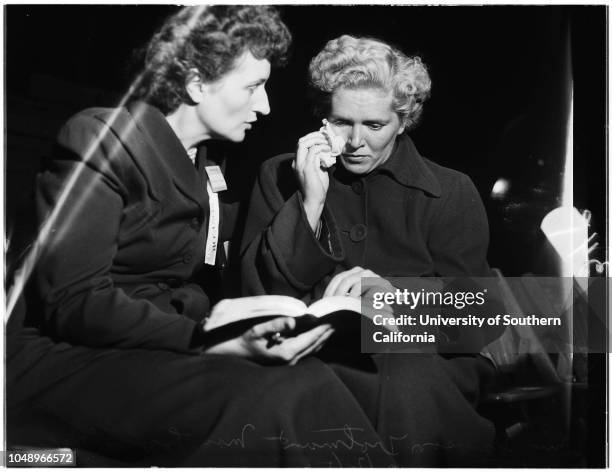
point(498, 109)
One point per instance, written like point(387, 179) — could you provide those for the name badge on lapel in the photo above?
point(216, 183)
point(216, 179)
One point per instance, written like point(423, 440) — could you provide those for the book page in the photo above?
point(236, 309)
point(328, 305)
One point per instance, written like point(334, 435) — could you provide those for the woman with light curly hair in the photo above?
point(357, 200)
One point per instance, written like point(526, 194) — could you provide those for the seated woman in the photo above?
point(382, 211)
point(115, 360)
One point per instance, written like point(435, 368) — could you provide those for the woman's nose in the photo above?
point(355, 138)
point(261, 104)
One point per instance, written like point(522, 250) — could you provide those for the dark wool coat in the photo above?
point(126, 247)
point(409, 217)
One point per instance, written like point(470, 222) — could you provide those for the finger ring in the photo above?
point(274, 339)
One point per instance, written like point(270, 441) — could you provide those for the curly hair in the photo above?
point(208, 39)
point(353, 63)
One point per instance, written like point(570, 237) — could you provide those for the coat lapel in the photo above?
point(165, 155)
point(408, 168)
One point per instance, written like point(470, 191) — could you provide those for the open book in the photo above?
point(333, 310)
point(232, 310)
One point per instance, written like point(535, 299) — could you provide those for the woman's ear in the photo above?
point(402, 127)
point(195, 86)
point(403, 123)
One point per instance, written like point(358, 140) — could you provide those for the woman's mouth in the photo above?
point(355, 158)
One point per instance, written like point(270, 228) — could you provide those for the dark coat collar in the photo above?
point(172, 156)
point(407, 167)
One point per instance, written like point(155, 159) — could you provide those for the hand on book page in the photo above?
point(355, 282)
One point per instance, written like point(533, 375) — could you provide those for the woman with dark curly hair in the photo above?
point(378, 209)
point(114, 359)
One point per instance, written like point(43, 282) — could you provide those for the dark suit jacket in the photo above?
point(126, 247)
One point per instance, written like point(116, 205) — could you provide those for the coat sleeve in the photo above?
point(82, 196)
point(280, 252)
point(458, 243)
point(459, 235)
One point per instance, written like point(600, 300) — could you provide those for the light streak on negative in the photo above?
point(22, 274)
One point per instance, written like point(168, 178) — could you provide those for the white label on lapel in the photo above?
point(212, 238)
point(216, 179)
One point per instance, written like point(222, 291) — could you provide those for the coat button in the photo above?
point(358, 232)
point(357, 187)
point(195, 223)
point(174, 283)
point(187, 258)
point(163, 285)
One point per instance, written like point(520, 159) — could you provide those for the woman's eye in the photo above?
point(375, 126)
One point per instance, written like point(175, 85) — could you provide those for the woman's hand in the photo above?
point(260, 342)
point(313, 180)
point(348, 283)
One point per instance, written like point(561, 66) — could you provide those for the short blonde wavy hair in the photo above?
point(361, 62)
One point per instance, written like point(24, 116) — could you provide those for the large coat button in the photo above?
point(357, 187)
point(195, 223)
point(174, 282)
point(358, 232)
point(187, 258)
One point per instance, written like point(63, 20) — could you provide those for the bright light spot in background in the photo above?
point(567, 231)
point(565, 227)
point(500, 189)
